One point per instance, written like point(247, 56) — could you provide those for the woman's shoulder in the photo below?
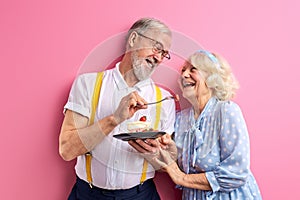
point(183, 117)
point(227, 106)
point(183, 113)
point(229, 111)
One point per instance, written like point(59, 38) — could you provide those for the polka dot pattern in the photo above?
point(216, 144)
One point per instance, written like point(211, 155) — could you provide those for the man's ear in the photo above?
point(132, 38)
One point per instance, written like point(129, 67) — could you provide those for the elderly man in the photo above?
point(101, 104)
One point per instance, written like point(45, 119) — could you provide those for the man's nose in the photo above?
point(159, 57)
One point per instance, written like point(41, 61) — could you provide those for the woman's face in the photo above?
point(192, 83)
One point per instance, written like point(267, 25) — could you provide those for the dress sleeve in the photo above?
point(80, 94)
point(233, 169)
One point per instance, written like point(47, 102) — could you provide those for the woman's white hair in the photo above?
point(218, 76)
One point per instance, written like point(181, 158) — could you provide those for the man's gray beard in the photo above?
point(140, 70)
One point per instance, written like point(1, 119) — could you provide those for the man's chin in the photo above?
point(143, 78)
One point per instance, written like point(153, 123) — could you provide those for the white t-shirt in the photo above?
point(115, 164)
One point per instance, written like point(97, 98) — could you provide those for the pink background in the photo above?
point(44, 43)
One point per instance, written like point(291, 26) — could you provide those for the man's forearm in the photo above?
point(94, 134)
point(76, 138)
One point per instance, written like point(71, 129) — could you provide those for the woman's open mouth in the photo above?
point(187, 84)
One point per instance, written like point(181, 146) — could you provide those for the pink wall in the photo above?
point(44, 43)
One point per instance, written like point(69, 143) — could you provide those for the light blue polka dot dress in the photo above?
point(216, 144)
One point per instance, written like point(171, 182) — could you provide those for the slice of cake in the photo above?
point(138, 126)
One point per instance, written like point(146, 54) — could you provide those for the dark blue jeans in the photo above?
point(145, 191)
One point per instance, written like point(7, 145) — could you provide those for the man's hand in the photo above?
point(128, 106)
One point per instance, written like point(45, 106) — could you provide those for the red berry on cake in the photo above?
point(143, 119)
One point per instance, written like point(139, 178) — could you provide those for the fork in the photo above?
point(176, 98)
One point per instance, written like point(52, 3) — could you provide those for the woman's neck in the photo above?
point(200, 104)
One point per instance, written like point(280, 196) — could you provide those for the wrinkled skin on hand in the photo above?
point(128, 106)
point(160, 152)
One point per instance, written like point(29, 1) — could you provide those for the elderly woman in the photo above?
point(211, 137)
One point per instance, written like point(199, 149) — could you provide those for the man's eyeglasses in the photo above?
point(157, 47)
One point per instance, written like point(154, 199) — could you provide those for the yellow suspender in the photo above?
point(96, 95)
point(158, 107)
point(95, 99)
point(156, 123)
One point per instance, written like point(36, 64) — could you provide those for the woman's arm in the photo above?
point(233, 170)
point(162, 154)
point(196, 181)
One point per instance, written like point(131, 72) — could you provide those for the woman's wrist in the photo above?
point(175, 173)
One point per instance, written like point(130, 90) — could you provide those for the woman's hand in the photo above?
point(160, 152)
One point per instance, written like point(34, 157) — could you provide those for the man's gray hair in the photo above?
point(145, 24)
